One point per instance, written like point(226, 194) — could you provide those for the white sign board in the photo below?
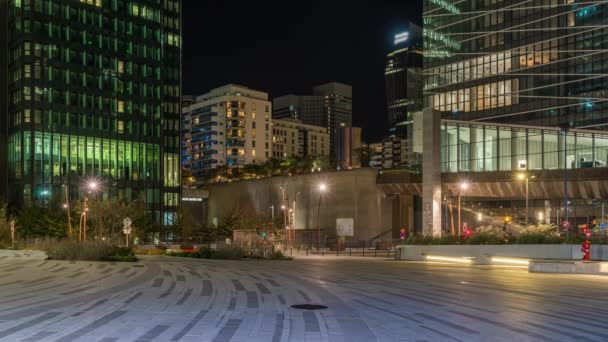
point(344, 226)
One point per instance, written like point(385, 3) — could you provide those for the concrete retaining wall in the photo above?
point(480, 252)
point(350, 194)
point(23, 254)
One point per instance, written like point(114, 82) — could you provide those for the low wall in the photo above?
point(481, 252)
point(574, 267)
point(23, 254)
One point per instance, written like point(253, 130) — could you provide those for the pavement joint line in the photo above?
point(27, 324)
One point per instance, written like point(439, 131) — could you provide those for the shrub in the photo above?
point(89, 250)
point(120, 258)
point(278, 255)
point(536, 238)
point(228, 253)
point(486, 238)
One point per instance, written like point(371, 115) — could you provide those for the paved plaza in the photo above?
point(367, 299)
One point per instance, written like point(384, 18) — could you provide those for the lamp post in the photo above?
point(283, 208)
point(93, 186)
point(293, 224)
point(67, 206)
point(463, 186)
point(322, 188)
point(523, 176)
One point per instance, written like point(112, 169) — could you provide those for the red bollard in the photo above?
point(586, 249)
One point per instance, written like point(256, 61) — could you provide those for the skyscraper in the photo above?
point(531, 62)
point(330, 106)
point(93, 90)
point(403, 78)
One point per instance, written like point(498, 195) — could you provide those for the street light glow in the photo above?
point(322, 187)
point(93, 185)
point(464, 185)
point(521, 176)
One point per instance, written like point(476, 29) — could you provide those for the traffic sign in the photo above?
point(566, 224)
point(602, 226)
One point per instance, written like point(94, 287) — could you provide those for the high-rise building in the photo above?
point(93, 90)
point(330, 106)
point(348, 140)
point(298, 107)
point(537, 62)
point(403, 79)
point(292, 138)
point(187, 101)
point(337, 110)
point(230, 126)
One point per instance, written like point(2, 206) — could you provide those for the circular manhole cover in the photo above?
point(309, 307)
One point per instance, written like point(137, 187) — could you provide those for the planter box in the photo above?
point(481, 252)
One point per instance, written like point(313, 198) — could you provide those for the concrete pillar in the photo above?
point(431, 173)
point(407, 211)
point(547, 213)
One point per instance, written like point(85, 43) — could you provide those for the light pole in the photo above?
point(463, 186)
point(293, 225)
point(284, 208)
point(67, 206)
point(83, 217)
point(524, 176)
point(322, 188)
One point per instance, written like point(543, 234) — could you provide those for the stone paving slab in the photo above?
point(182, 300)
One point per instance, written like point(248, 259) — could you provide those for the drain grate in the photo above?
point(309, 307)
point(138, 265)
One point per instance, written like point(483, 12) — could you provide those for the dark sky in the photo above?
point(289, 46)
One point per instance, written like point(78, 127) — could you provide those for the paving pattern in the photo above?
point(176, 299)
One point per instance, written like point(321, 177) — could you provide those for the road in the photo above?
point(367, 299)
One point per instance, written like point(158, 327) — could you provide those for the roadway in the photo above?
point(367, 299)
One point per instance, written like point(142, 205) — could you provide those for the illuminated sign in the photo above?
point(191, 199)
point(401, 37)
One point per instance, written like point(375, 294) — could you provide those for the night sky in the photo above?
point(283, 47)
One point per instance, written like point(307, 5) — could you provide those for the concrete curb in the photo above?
point(568, 267)
point(39, 255)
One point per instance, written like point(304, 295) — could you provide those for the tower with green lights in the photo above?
point(91, 89)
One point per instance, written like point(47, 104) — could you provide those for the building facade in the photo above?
point(348, 140)
point(395, 153)
point(403, 80)
point(537, 62)
point(230, 127)
point(330, 106)
point(306, 108)
point(93, 90)
point(292, 138)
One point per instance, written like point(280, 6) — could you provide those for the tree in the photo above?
point(105, 218)
point(364, 155)
point(5, 226)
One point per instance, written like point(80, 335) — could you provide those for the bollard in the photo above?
point(363, 251)
point(350, 251)
point(337, 251)
point(322, 251)
point(306, 251)
point(375, 251)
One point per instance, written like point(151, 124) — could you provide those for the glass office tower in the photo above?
point(93, 89)
point(537, 62)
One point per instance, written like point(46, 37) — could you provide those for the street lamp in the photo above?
point(523, 176)
point(463, 186)
point(67, 206)
point(322, 188)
